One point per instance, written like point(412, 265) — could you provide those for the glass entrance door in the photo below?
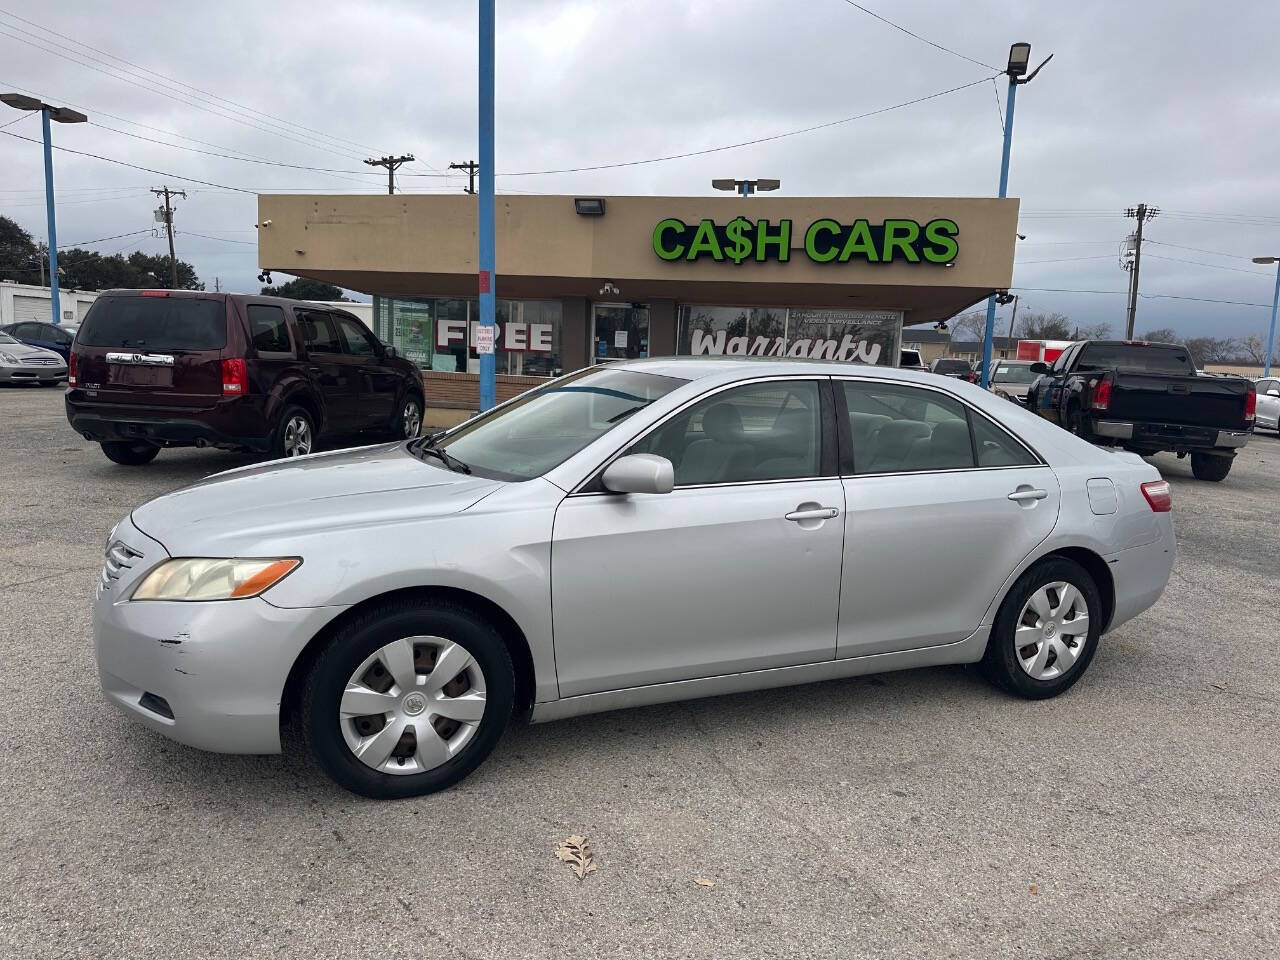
point(620, 331)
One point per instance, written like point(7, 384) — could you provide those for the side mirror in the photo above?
point(389, 351)
point(1039, 367)
point(640, 473)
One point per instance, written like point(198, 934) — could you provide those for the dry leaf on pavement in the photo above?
point(577, 854)
point(704, 881)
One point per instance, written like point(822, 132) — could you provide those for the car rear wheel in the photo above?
point(407, 699)
point(295, 434)
point(1046, 631)
point(1208, 466)
point(130, 453)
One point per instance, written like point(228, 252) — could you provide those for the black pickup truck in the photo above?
point(1147, 397)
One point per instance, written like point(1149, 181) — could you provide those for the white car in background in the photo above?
point(22, 363)
point(1268, 414)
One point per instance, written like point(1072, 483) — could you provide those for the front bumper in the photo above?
point(32, 374)
point(220, 666)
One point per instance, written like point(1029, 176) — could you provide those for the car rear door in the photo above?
point(377, 383)
point(942, 504)
point(331, 374)
point(154, 348)
point(738, 568)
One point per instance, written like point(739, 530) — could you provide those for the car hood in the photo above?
point(24, 350)
point(232, 511)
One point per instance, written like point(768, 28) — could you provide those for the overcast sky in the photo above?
point(1174, 103)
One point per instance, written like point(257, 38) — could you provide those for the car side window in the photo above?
point(995, 447)
point(1063, 358)
point(268, 329)
point(317, 332)
point(902, 429)
point(26, 331)
point(358, 340)
point(756, 432)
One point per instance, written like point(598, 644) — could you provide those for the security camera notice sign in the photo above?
point(484, 338)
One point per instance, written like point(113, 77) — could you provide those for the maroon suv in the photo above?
point(176, 368)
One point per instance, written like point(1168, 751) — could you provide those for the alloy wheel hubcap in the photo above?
point(412, 420)
point(412, 705)
point(1051, 631)
point(297, 437)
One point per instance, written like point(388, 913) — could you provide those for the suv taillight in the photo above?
point(1102, 395)
point(71, 370)
point(1250, 403)
point(1158, 495)
point(235, 377)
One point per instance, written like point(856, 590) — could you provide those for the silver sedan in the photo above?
point(22, 363)
point(634, 533)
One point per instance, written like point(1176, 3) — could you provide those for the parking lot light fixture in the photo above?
point(745, 188)
point(1275, 302)
point(59, 115)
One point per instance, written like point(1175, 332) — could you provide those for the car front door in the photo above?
point(329, 371)
point(930, 534)
point(738, 568)
point(1268, 410)
point(377, 383)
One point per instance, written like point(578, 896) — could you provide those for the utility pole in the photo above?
point(471, 167)
point(1013, 314)
point(1142, 213)
point(165, 214)
point(486, 225)
point(217, 284)
point(392, 164)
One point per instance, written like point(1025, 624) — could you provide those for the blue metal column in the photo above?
point(486, 223)
point(989, 336)
point(53, 232)
point(1271, 337)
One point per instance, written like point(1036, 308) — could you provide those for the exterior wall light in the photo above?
point(589, 206)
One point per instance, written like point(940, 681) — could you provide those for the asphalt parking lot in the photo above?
point(918, 814)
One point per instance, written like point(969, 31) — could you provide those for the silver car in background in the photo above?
point(632, 533)
point(1268, 411)
point(22, 363)
point(1012, 379)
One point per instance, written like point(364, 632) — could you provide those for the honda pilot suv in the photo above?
point(175, 368)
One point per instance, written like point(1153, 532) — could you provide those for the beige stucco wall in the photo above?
point(415, 244)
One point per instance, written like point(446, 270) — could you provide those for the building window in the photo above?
point(855, 336)
point(439, 334)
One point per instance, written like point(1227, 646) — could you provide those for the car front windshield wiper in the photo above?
point(426, 447)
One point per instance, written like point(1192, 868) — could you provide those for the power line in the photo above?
point(1105, 256)
point(17, 119)
point(192, 233)
point(1145, 296)
point(118, 236)
point(206, 93)
point(1216, 266)
point(995, 88)
point(936, 46)
point(134, 166)
point(744, 143)
point(1215, 253)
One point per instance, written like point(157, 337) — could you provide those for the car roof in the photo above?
point(728, 369)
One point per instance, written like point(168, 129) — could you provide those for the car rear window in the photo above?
point(157, 323)
point(1142, 358)
point(951, 366)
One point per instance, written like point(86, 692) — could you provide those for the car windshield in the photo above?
point(156, 323)
point(5, 338)
point(545, 427)
point(1138, 357)
point(1013, 373)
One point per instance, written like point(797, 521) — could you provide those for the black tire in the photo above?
point(285, 442)
point(130, 453)
point(359, 639)
point(1075, 422)
point(1210, 466)
point(50, 383)
point(1000, 662)
point(404, 426)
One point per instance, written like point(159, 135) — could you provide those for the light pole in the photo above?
point(745, 188)
point(486, 227)
point(1019, 58)
point(61, 115)
point(1275, 301)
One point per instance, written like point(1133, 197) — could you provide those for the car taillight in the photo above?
point(1251, 403)
point(71, 370)
point(155, 293)
point(235, 377)
point(1102, 395)
point(1158, 495)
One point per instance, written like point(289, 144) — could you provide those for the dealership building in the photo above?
point(582, 280)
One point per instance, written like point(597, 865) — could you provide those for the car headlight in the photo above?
point(195, 578)
point(9, 359)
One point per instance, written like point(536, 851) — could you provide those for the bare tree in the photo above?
point(1161, 335)
point(1096, 331)
point(969, 326)
point(1211, 349)
point(1044, 326)
point(1255, 348)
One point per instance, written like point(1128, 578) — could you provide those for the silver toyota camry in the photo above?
point(633, 533)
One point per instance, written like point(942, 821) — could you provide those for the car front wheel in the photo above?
point(407, 699)
point(1046, 631)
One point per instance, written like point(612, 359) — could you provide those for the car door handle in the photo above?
point(813, 513)
point(1026, 493)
